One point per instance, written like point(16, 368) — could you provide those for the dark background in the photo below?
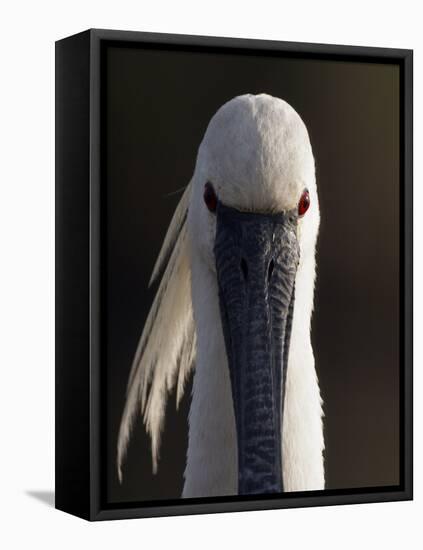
point(158, 105)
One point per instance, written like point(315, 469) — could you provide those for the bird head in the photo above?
point(253, 220)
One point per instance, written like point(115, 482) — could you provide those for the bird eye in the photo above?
point(304, 203)
point(210, 197)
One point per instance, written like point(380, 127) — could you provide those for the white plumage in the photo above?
point(257, 153)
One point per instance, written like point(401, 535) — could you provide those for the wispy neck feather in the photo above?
point(166, 349)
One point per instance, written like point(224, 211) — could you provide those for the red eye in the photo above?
point(303, 204)
point(210, 197)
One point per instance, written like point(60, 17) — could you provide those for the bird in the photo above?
point(237, 273)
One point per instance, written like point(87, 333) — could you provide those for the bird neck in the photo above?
point(211, 468)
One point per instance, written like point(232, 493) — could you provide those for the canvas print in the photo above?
point(251, 268)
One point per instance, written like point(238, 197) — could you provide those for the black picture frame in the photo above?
point(79, 303)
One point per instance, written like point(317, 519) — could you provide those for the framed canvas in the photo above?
point(233, 274)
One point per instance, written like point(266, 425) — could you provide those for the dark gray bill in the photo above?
point(256, 262)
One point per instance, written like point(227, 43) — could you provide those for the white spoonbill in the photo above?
point(235, 304)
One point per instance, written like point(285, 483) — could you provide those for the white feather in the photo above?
point(172, 233)
point(166, 349)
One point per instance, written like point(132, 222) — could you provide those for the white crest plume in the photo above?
point(166, 349)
